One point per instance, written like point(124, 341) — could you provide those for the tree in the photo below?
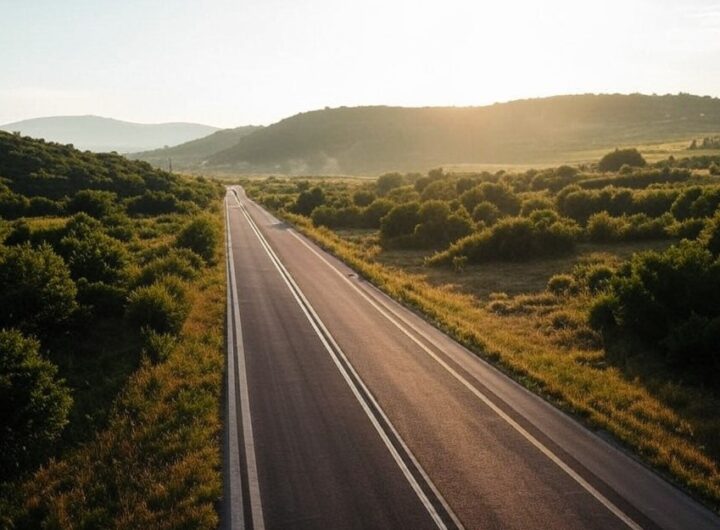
point(614, 160)
point(35, 403)
point(36, 292)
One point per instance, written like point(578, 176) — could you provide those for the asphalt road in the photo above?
point(345, 410)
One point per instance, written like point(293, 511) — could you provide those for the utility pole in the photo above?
point(170, 165)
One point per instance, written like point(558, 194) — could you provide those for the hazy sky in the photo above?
point(235, 62)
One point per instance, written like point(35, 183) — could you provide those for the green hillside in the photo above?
point(375, 139)
point(193, 153)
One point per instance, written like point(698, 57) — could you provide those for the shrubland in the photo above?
point(111, 315)
point(594, 286)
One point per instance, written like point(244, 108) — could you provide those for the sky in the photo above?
point(237, 62)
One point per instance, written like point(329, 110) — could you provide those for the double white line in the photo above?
point(438, 508)
point(237, 382)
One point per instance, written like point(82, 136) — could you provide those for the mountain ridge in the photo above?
point(102, 134)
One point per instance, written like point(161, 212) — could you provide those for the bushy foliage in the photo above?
point(400, 221)
point(486, 213)
point(498, 194)
point(155, 307)
point(389, 181)
point(603, 228)
point(375, 211)
point(363, 198)
point(201, 235)
point(180, 262)
point(37, 294)
point(438, 226)
point(95, 203)
point(580, 204)
point(668, 300)
point(614, 160)
point(515, 239)
point(308, 200)
point(35, 403)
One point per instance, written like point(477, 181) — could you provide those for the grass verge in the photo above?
point(670, 426)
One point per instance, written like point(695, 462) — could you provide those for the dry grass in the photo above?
point(542, 341)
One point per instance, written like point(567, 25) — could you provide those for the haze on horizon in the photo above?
point(230, 63)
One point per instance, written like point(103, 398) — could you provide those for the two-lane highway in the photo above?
point(345, 410)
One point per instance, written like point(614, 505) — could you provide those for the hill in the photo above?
point(98, 134)
point(374, 139)
point(193, 153)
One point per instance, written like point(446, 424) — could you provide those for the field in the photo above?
point(529, 313)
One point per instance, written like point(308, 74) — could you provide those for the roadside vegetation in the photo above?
point(111, 333)
point(596, 287)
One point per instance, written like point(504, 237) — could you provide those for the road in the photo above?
point(346, 410)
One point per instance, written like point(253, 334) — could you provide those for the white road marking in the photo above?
point(307, 310)
point(529, 437)
point(235, 508)
point(249, 441)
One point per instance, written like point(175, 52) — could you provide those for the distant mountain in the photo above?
point(374, 139)
point(98, 134)
point(192, 154)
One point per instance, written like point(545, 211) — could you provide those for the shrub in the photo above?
point(498, 194)
point(668, 299)
point(515, 239)
point(35, 404)
point(154, 203)
point(375, 211)
point(103, 299)
point(531, 205)
point(400, 221)
point(598, 277)
point(201, 235)
point(614, 160)
point(155, 307)
point(37, 294)
point(437, 226)
point(486, 212)
point(94, 256)
point(95, 203)
point(561, 284)
point(308, 200)
point(180, 262)
point(710, 235)
point(602, 228)
point(363, 198)
point(388, 181)
point(687, 229)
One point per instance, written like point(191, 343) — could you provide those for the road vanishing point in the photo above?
point(346, 410)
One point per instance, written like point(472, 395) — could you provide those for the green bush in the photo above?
point(37, 294)
point(308, 200)
point(614, 160)
point(94, 256)
point(486, 212)
point(363, 198)
point(101, 298)
point(515, 239)
point(201, 235)
point(154, 307)
point(710, 235)
point(670, 300)
point(95, 203)
point(35, 404)
point(180, 262)
point(157, 346)
point(400, 221)
point(438, 226)
point(603, 228)
point(375, 211)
